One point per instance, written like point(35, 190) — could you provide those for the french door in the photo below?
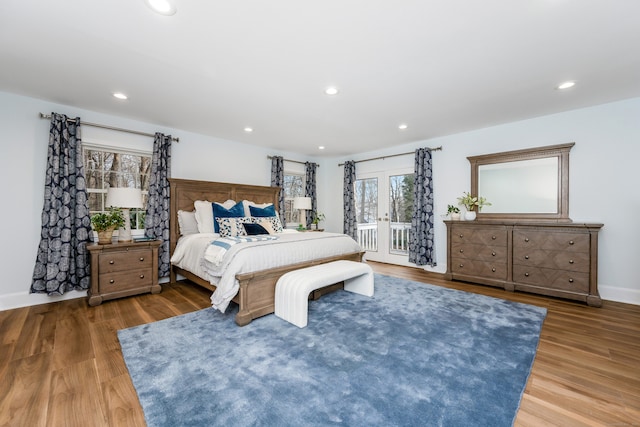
point(384, 206)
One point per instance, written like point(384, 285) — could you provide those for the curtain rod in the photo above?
point(392, 155)
point(292, 161)
point(96, 125)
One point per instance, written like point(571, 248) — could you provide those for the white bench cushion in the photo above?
point(293, 288)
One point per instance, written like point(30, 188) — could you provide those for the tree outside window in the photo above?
point(293, 187)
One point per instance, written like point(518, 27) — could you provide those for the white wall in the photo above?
point(602, 178)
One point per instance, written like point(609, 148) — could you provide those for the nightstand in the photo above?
point(123, 269)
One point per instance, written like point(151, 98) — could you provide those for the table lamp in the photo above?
point(303, 204)
point(125, 199)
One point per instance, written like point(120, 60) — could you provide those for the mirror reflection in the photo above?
point(521, 186)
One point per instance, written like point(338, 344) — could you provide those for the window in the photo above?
point(293, 187)
point(109, 167)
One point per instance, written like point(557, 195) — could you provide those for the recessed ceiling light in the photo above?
point(163, 7)
point(331, 90)
point(403, 126)
point(248, 129)
point(120, 95)
point(566, 85)
point(321, 147)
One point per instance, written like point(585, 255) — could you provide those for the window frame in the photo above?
point(293, 214)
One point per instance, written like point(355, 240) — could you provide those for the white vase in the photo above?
point(469, 215)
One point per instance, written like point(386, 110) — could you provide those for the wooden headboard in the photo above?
point(184, 192)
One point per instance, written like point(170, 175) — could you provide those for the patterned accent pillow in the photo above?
point(271, 223)
point(233, 227)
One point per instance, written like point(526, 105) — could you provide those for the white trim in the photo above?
point(615, 293)
point(113, 149)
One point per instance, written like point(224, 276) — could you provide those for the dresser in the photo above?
point(123, 269)
point(556, 259)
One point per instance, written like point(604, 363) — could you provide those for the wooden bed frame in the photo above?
point(257, 290)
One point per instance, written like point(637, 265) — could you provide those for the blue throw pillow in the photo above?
point(220, 211)
point(262, 212)
point(254, 229)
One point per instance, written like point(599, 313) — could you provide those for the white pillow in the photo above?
point(204, 214)
point(187, 222)
point(232, 227)
point(247, 203)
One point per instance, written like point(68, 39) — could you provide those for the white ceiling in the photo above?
point(215, 67)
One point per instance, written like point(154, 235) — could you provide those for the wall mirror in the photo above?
point(523, 184)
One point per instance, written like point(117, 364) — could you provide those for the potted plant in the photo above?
point(105, 222)
point(453, 212)
point(317, 218)
point(470, 204)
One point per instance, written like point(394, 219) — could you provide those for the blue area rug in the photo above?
point(413, 355)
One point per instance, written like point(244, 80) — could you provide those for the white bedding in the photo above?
point(289, 248)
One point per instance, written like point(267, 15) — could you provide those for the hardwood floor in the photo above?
point(61, 365)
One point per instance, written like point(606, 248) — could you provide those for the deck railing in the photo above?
point(399, 235)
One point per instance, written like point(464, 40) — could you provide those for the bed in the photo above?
point(256, 289)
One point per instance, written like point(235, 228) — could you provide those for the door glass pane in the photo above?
point(400, 212)
point(366, 195)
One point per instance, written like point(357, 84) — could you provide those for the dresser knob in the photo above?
point(493, 237)
point(526, 239)
point(526, 257)
point(461, 236)
point(493, 269)
point(571, 242)
point(141, 258)
point(111, 281)
point(111, 262)
point(461, 265)
point(526, 274)
point(570, 261)
point(570, 280)
point(493, 254)
point(142, 276)
point(461, 250)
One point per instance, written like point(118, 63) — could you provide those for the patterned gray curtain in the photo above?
point(310, 189)
point(350, 227)
point(62, 262)
point(277, 180)
point(421, 247)
point(156, 223)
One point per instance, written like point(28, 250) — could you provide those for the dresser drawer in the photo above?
point(553, 241)
point(572, 281)
point(489, 270)
point(132, 279)
point(565, 260)
point(125, 260)
point(492, 236)
point(479, 252)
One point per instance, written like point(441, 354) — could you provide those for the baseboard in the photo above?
point(614, 293)
point(25, 299)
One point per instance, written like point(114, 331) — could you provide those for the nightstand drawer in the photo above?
point(111, 282)
point(124, 261)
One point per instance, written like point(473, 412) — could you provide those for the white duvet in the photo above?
point(193, 250)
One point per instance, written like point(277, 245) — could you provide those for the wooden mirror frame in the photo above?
point(560, 151)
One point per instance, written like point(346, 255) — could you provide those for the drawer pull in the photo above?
point(526, 274)
point(141, 258)
point(461, 265)
point(526, 257)
point(570, 261)
point(570, 280)
point(526, 239)
point(571, 242)
point(493, 254)
point(111, 262)
point(493, 237)
point(461, 250)
point(493, 269)
point(111, 281)
point(461, 236)
point(142, 276)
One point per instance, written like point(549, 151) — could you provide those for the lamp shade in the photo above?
point(302, 203)
point(128, 198)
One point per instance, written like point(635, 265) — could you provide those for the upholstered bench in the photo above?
point(293, 288)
